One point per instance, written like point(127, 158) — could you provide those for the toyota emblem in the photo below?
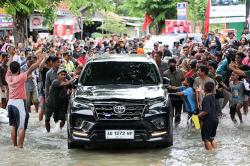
point(119, 109)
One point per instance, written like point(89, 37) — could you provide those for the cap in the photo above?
point(9, 45)
point(230, 53)
point(66, 53)
point(61, 69)
point(156, 44)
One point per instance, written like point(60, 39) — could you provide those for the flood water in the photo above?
point(42, 148)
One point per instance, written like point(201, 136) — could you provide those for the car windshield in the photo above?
point(131, 73)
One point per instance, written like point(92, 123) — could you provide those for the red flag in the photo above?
point(147, 21)
point(206, 20)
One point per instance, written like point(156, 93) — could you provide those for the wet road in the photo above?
point(50, 149)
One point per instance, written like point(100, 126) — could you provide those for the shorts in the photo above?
point(32, 98)
point(18, 114)
point(246, 98)
point(208, 129)
point(57, 115)
point(233, 109)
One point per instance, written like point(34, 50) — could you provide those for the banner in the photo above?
point(227, 8)
point(63, 30)
point(36, 22)
point(182, 11)
point(177, 26)
point(226, 20)
point(206, 18)
point(6, 21)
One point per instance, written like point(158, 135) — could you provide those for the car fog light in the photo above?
point(158, 133)
point(159, 123)
point(80, 133)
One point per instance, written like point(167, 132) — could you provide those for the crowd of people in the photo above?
point(203, 76)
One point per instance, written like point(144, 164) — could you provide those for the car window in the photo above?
point(133, 73)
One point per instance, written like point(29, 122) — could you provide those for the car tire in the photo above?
point(170, 129)
point(164, 144)
point(169, 141)
point(71, 145)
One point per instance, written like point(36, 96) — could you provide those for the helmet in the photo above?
point(230, 53)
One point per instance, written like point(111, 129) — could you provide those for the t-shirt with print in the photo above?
point(237, 91)
point(16, 84)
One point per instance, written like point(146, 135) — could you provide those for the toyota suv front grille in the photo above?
point(119, 112)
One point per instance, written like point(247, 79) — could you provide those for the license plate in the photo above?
point(119, 134)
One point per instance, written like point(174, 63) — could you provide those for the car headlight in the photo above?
point(159, 123)
point(157, 105)
point(156, 108)
point(77, 106)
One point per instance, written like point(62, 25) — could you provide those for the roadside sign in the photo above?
point(182, 10)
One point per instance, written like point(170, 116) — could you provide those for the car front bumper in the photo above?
point(144, 130)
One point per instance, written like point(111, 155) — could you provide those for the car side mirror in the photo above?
point(166, 81)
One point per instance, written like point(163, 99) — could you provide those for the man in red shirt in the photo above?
point(156, 49)
point(18, 115)
point(82, 60)
point(193, 72)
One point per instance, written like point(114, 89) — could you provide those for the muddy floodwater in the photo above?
point(50, 149)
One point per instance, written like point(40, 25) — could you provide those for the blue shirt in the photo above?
point(222, 66)
point(189, 98)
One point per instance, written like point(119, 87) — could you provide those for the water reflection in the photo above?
point(43, 148)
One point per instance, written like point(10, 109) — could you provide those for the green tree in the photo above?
point(90, 6)
point(22, 9)
point(113, 26)
point(159, 10)
point(196, 10)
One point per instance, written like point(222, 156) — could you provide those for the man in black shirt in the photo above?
point(209, 116)
point(166, 51)
point(57, 101)
point(3, 83)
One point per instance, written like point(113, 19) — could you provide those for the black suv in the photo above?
point(120, 99)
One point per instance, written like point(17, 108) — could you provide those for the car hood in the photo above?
point(119, 92)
